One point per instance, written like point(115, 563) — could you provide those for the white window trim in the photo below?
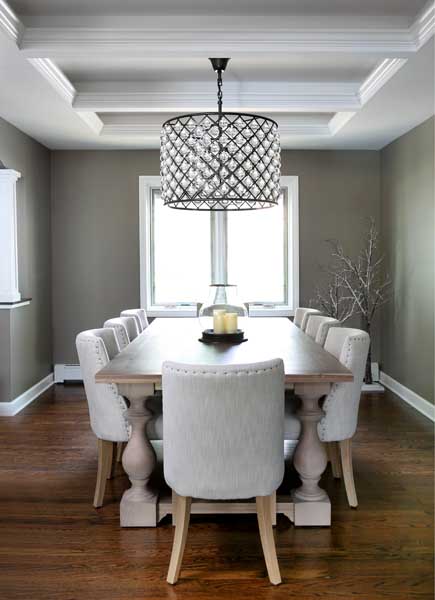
point(146, 184)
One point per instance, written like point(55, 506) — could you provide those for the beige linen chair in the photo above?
point(139, 314)
point(302, 314)
point(107, 409)
point(318, 327)
point(338, 425)
point(223, 438)
point(121, 326)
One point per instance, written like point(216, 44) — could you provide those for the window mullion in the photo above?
point(219, 246)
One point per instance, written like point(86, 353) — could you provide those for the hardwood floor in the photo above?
point(55, 545)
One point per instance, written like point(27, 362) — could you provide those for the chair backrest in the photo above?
point(307, 315)
point(139, 314)
point(341, 405)
point(318, 326)
point(119, 325)
point(96, 347)
point(131, 323)
point(223, 429)
point(301, 316)
point(322, 332)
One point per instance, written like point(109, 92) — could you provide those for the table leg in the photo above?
point(139, 503)
point(311, 503)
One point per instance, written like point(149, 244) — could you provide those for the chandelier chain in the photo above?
point(219, 93)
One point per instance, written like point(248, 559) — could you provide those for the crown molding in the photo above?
point(201, 96)
point(65, 89)
point(338, 121)
point(92, 120)
point(423, 27)
point(379, 77)
point(10, 23)
point(55, 77)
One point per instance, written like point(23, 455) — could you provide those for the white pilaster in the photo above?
point(8, 236)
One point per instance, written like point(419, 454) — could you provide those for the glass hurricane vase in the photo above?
point(222, 297)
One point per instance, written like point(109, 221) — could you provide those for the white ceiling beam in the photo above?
point(229, 36)
point(201, 96)
point(149, 125)
point(75, 41)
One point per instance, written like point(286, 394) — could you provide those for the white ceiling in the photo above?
point(336, 74)
point(255, 67)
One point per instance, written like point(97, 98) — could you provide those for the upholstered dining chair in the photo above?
point(132, 325)
point(223, 438)
point(120, 325)
point(338, 425)
point(107, 409)
point(139, 314)
point(302, 314)
point(318, 327)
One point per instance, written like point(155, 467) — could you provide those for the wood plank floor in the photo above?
point(54, 545)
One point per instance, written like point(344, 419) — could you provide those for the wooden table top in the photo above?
point(177, 339)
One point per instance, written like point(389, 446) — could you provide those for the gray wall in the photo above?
point(95, 212)
point(408, 237)
point(29, 347)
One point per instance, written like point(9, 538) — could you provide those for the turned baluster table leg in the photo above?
point(311, 503)
point(139, 503)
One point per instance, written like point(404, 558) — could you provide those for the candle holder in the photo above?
point(223, 318)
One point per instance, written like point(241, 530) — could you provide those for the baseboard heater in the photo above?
point(66, 372)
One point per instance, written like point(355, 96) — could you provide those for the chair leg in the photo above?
point(105, 452)
point(346, 462)
point(182, 504)
point(174, 508)
point(267, 539)
point(112, 469)
point(273, 508)
point(119, 450)
point(334, 457)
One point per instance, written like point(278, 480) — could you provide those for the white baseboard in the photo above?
point(63, 372)
point(10, 409)
point(423, 406)
point(374, 387)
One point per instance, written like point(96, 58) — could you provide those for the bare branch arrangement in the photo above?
point(356, 286)
point(334, 300)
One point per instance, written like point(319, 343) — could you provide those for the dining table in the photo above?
point(137, 372)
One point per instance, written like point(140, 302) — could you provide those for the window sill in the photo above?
point(182, 311)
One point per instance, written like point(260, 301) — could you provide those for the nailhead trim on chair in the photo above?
point(333, 391)
point(112, 386)
point(220, 372)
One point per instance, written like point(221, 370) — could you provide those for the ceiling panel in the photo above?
point(295, 67)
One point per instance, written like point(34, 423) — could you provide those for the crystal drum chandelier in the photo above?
point(220, 161)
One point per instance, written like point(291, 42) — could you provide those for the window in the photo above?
point(176, 250)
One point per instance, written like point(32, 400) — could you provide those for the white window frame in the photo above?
point(147, 184)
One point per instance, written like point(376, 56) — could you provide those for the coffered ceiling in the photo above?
point(106, 74)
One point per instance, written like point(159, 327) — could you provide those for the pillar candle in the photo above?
point(230, 320)
point(219, 321)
